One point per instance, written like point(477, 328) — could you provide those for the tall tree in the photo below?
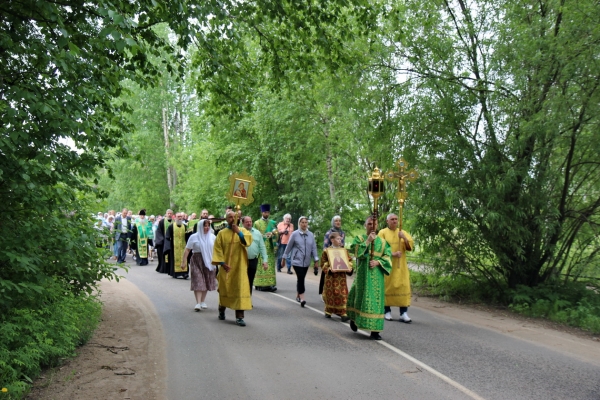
point(502, 104)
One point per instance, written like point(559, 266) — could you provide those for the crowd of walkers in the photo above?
point(233, 254)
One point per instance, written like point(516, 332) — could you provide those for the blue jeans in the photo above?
point(121, 250)
point(280, 251)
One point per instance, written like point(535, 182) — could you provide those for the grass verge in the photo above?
point(571, 303)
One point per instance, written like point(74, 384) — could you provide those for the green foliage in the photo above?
point(33, 338)
point(245, 46)
point(453, 288)
point(62, 65)
point(501, 105)
point(572, 304)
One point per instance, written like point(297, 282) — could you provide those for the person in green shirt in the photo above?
point(256, 251)
point(265, 279)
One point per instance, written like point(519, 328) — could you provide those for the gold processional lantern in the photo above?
point(376, 188)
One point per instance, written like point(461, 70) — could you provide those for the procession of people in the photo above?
point(233, 255)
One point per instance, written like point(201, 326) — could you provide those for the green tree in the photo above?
point(501, 102)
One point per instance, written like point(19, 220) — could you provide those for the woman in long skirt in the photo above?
point(335, 288)
point(203, 272)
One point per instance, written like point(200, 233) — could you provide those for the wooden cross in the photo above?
point(402, 175)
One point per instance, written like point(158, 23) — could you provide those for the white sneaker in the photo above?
point(405, 318)
point(203, 305)
point(388, 316)
point(198, 307)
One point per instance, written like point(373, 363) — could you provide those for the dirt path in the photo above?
point(125, 359)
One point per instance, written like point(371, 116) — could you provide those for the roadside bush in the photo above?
point(36, 338)
point(49, 271)
point(452, 288)
point(571, 304)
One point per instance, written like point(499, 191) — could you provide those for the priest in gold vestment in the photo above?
point(230, 255)
point(397, 284)
point(175, 241)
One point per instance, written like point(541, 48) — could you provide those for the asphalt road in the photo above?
point(289, 352)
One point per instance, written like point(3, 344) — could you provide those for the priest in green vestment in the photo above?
point(141, 232)
point(230, 254)
point(265, 280)
point(367, 295)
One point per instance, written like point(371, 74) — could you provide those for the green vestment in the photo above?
point(144, 231)
point(266, 278)
point(191, 226)
point(367, 295)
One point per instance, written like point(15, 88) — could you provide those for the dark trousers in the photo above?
point(161, 259)
point(280, 251)
point(301, 274)
point(121, 250)
point(238, 313)
point(252, 264)
point(402, 309)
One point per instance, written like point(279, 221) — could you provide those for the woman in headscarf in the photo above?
point(336, 226)
point(302, 249)
point(335, 294)
point(203, 272)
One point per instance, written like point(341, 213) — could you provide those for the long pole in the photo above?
point(235, 221)
point(375, 217)
point(400, 209)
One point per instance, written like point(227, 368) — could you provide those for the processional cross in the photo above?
point(402, 175)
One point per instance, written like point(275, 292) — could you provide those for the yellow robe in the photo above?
point(234, 287)
point(397, 284)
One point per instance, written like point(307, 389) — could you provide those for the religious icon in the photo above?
point(338, 260)
point(241, 189)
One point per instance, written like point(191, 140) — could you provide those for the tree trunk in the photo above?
point(170, 171)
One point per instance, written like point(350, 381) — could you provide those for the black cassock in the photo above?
point(159, 242)
point(134, 246)
point(169, 251)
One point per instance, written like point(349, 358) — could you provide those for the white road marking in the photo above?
point(410, 358)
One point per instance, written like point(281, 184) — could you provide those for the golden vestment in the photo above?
point(234, 287)
point(397, 283)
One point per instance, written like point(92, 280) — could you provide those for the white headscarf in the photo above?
point(207, 242)
point(300, 219)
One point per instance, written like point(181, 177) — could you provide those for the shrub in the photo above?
point(567, 303)
point(453, 287)
point(36, 338)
